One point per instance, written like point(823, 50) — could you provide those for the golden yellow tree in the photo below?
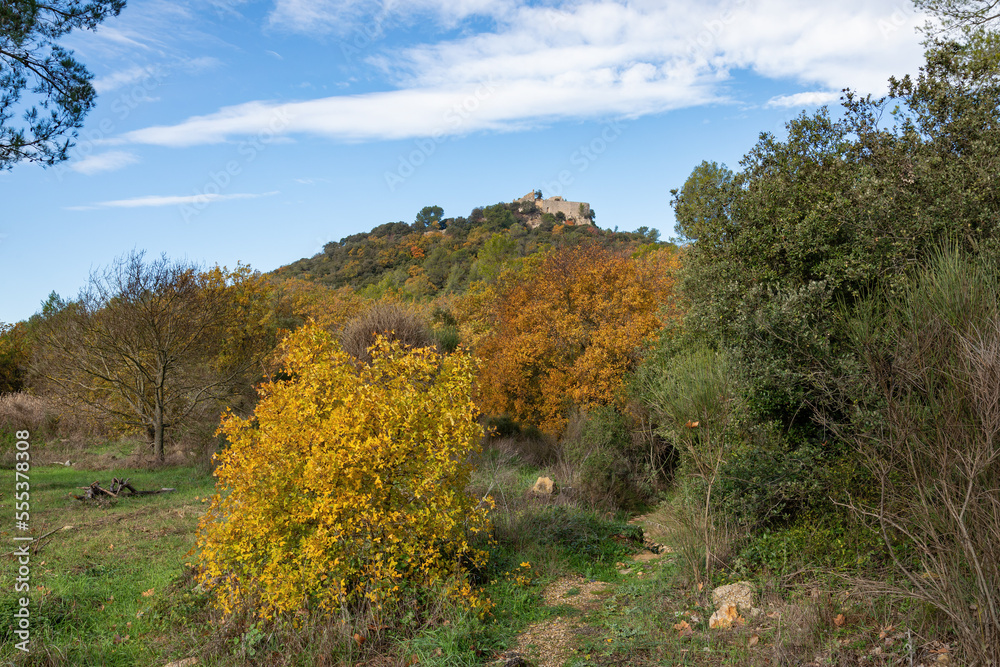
point(567, 328)
point(300, 300)
point(348, 483)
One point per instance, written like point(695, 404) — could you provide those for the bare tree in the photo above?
point(926, 406)
point(963, 14)
point(149, 342)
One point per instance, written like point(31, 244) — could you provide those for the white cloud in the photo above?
point(110, 161)
point(161, 31)
point(435, 111)
point(811, 99)
point(122, 78)
point(578, 59)
point(170, 200)
point(201, 64)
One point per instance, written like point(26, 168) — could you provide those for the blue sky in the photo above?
point(256, 131)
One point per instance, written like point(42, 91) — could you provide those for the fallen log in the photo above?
point(95, 490)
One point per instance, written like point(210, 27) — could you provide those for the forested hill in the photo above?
point(436, 255)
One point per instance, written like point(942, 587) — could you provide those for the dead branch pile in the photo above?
point(118, 489)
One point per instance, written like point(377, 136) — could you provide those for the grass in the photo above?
point(95, 580)
point(113, 589)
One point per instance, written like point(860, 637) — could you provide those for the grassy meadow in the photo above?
point(112, 586)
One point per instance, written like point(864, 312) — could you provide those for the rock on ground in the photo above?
point(544, 486)
point(740, 594)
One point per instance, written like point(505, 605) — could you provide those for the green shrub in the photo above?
point(501, 426)
point(594, 445)
point(926, 420)
point(447, 338)
point(609, 452)
point(831, 539)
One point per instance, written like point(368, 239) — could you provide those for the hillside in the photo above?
point(436, 255)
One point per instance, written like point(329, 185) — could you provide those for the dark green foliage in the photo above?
point(851, 383)
point(829, 539)
point(451, 253)
point(428, 218)
point(31, 60)
point(447, 338)
point(597, 449)
point(834, 210)
point(618, 463)
point(770, 480)
point(501, 426)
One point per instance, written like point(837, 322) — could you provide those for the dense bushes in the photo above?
point(926, 420)
point(828, 213)
point(833, 356)
point(598, 447)
point(348, 485)
point(785, 249)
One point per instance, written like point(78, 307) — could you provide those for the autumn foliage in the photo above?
point(348, 483)
point(566, 328)
point(301, 300)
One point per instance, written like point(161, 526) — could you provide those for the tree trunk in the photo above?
point(158, 431)
point(158, 415)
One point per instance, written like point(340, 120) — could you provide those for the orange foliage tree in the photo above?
point(348, 484)
point(566, 329)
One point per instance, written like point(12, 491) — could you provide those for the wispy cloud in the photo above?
point(170, 200)
point(122, 78)
point(441, 111)
point(312, 181)
point(341, 16)
point(201, 64)
point(165, 32)
point(110, 161)
point(811, 99)
point(575, 60)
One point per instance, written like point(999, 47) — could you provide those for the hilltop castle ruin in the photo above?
point(574, 212)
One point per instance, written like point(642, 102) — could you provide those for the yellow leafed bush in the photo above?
point(348, 484)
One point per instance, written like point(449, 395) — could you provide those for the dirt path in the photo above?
point(552, 642)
